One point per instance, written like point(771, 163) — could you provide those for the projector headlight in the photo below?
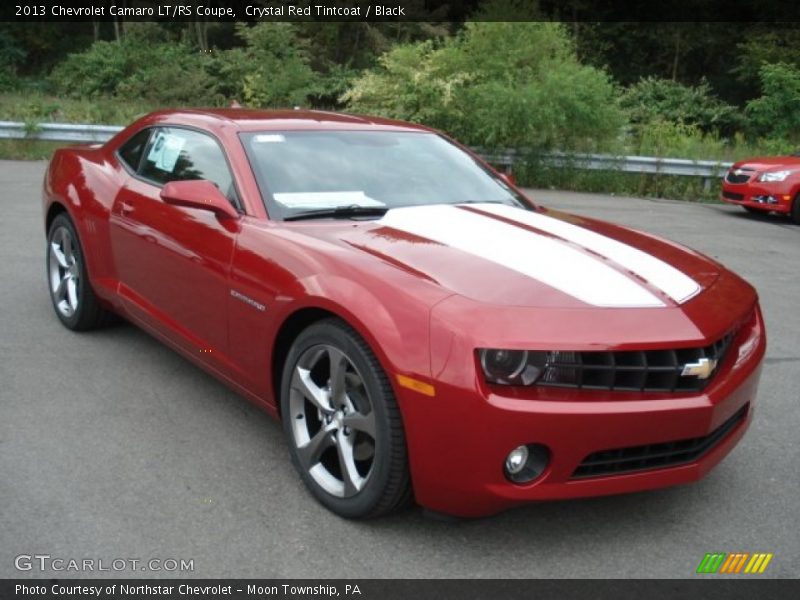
point(512, 367)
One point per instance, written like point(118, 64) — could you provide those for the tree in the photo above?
point(140, 65)
point(272, 70)
point(776, 113)
point(495, 84)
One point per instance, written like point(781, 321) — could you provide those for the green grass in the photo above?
point(36, 107)
point(27, 149)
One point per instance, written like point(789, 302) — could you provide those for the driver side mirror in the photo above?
point(200, 194)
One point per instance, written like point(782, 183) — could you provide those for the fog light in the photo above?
point(525, 463)
point(516, 460)
point(765, 199)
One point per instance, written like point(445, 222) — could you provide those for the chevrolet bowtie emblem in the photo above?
point(702, 369)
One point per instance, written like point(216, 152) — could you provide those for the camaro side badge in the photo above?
point(250, 301)
point(702, 369)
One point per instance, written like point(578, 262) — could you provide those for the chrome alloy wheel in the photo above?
point(64, 270)
point(332, 421)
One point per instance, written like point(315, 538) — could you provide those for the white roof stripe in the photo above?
point(665, 277)
point(540, 257)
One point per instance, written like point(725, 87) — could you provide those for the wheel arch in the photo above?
point(56, 208)
point(293, 325)
point(378, 327)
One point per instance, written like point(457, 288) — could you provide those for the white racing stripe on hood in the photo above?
point(545, 259)
point(667, 278)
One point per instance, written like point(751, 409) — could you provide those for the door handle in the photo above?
point(125, 208)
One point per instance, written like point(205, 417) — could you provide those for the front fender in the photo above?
point(396, 328)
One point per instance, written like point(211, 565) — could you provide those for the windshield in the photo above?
point(302, 171)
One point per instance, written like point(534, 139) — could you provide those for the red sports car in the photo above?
point(762, 185)
point(422, 329)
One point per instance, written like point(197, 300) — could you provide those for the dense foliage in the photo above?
point(495, 84)
point(679, 89)
point(144, 64)
point(777, 112)
point(651, 100)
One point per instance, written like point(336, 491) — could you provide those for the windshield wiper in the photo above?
point(340, 212)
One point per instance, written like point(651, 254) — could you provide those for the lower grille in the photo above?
point(738, 176)
point(655, 456)
point(732, 195)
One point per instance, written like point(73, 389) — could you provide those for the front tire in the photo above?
point(796, 209)
point(73, 298)
point(342, 423)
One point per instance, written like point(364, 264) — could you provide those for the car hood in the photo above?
point(499, 254)
point(766, 163)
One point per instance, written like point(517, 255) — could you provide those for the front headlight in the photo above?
point(512, 367)
point(526, 367)
point(774, 176)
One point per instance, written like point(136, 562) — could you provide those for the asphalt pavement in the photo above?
point(114, 447)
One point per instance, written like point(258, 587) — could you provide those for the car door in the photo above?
point(173, 262)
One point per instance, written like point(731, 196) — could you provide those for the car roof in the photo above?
point(245, 119)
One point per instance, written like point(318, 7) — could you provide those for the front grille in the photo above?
point(637, 370)
point(655, 456)
point(739, 175)
point(732, 195)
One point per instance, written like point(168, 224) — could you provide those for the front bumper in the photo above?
point(769, 197)
point(460, 438)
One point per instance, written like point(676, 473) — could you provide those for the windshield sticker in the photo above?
point(325, 199)
point(269, 138)
point(165, 151)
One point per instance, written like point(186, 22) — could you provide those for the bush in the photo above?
point(271, 70)
point(776, 113)
point(97, 71)
point(496, 84)
point(653, 99)
point(180, 78)
point(677, 140)
point(142, 66)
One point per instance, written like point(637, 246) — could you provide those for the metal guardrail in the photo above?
point(72, 133)
point(707, 169)
point(57, 132)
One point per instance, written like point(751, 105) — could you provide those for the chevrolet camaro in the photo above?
point(424, 331)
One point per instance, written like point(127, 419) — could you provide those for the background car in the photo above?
point(422, 329)
point(766, 184)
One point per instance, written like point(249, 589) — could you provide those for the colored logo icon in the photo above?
point(734, 563)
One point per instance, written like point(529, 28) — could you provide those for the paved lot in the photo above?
point(112, 446)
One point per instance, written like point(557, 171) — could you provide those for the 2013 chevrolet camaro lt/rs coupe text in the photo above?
point(422, 329)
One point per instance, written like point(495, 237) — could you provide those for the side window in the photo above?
point(176, 154)
point(131, 151)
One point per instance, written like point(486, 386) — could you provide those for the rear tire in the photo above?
point(342, 423)
point(71, 292)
